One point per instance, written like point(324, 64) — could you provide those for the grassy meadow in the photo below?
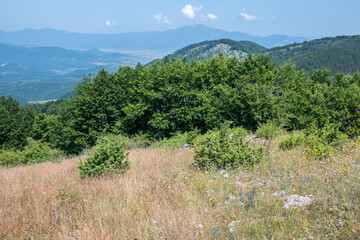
point(162, 196)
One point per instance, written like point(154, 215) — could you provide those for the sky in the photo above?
point(309, 18)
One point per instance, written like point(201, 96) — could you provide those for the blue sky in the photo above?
point(314, 18)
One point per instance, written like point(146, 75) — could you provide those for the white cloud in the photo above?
point(158, 17)
point(248, 17)
point(162, 19)
point(166, 20)
point(212, 16)
point(189, 11)
point(108, 23)
point(209, 17)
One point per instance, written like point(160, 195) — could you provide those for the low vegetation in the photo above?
point(109, 157)
point(163, 196)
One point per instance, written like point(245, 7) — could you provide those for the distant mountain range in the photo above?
point(167, 41)
point(338, 54)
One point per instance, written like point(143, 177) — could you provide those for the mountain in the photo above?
point(43, 73)
point(209, 49)
point(169, 40)
point(339, 54)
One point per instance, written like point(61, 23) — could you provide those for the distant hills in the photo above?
point(339, 54)
point(167, 41)
point(43, 73)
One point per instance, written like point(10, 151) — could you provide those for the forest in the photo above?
point(176, 96)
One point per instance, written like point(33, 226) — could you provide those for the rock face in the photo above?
point(295, 201)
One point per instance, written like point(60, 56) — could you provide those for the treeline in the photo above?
point(177, 96)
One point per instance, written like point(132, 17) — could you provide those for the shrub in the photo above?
point(225, 148)
point(321, 141)
point(109, 157)
point(9, 158)
point(268, 130)
point(34, 152)
point(37, 152)
point(318, 142)
point(291, 141)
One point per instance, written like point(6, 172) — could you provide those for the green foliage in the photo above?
point(10, 158)
point(269, 130)
point(339, 54)
point(320, 142)
point(173, 142)
point(37, 152)
point(15, 123)
point(109, 157)
point(50, 107)
point(178, 140)
point(291, 141)
point(171, 98)
point(34, 152)
point(225, 148)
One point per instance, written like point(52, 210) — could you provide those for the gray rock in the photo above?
point(295, 201)
point(279, 194)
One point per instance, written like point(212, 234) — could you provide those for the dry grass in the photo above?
point(162, 197)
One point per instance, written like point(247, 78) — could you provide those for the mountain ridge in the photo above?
point(338, 54)
point(168, 40)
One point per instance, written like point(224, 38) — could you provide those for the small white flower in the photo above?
point(199, 226)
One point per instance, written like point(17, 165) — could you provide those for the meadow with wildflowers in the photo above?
point(164, 196)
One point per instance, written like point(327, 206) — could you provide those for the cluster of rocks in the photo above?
point(294, 201)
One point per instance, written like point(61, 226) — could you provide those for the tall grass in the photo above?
point(161, 197)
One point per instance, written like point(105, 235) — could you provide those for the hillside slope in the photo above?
point(209, 49)
point(339, 54)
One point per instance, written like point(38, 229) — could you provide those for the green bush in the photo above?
point(109, 157)
point(291, 141)
point(37, 152)
point(268, 130)
point(9, 158)
point(34, 152)
point(320, 142)
point(225, 148)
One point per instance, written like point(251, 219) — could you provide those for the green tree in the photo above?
point(15, 123)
